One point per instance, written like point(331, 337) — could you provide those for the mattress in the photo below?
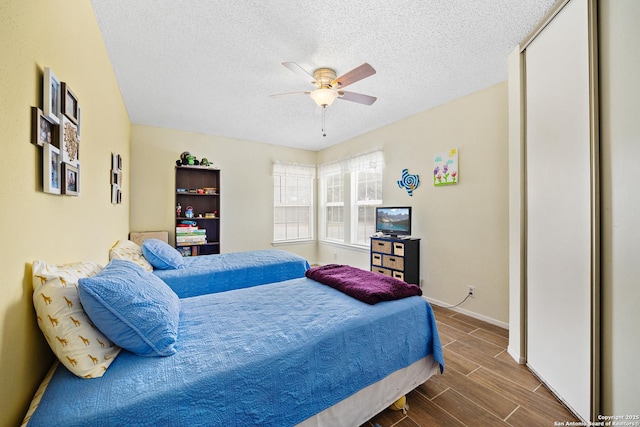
point(208, 274)
point(270, 355)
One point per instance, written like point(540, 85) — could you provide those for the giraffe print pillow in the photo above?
point(75, 341)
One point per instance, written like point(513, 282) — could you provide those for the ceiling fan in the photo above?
point(329, 86)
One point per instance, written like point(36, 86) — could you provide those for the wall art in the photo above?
point(51, 101)
point(43, 130)
point(71, 179)
point(409, 182)
point(445, 168)
point(51, 169)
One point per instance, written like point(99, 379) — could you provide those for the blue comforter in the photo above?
point(272, 355)
point(218, 273)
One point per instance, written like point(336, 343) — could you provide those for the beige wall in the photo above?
point(620, 151)
point(246, 189)
point(36, 225)
point(464, 228)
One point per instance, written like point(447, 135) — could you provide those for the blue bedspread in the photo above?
point(208, 274)
point(272, 355)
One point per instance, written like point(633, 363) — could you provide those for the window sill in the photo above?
point(351, 246)
point(293, 242)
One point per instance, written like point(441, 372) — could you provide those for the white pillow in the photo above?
point(75, 341)
point(129, 251)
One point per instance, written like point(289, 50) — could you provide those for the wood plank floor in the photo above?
point(482, 385)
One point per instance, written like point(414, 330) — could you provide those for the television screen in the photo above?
point(395, 221)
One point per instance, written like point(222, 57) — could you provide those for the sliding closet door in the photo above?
point(560, 201)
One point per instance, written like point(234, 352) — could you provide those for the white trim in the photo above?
point(469, 313)
point(351, 246)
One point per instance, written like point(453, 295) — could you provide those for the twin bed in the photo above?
point(257, 347)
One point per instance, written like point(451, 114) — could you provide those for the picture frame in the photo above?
point(43, 130)
point(69, 106)
point(69, 141)
point(116, 194)
point(71, 179)
point(79, 121)
point(51, 169)
point(51, 94)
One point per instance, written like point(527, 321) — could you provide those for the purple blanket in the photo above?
point(366, 286)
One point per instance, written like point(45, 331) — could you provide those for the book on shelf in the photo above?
point(191, 233)
point(191, 240)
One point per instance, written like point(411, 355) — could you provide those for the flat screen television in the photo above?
point(394, 221)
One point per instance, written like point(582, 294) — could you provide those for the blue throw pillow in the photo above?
point(133, 308)
point(161, 255)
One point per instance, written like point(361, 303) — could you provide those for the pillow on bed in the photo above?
point(161, 255)
point(83, 349)
point(129, 251)
point(133, 307)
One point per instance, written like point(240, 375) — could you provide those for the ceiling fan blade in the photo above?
point(301, 72)
point(356, 97)
point(289, 93)
point(357, 74)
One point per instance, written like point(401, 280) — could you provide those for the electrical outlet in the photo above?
point(471, 290)
point(421, 283)
point(335, 256)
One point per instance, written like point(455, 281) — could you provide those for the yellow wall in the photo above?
point(62, 35)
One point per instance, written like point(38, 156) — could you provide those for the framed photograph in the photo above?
point(79, 121)
point(71, 179)
point(69, 141)
point(116, 194)
point(43, 130)
point(69, 103)
point(52, 91)
point(51, 169)
point(116, 178)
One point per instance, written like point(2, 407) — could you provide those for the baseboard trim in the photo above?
point(468, 313)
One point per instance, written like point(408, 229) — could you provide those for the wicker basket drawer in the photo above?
point(398, 248)
point(394, 262)
point(381, 246)
point(381, 271)
point(376, 259)
point(398, 275)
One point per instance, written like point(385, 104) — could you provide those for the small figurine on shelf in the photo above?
point(178, 210)
point(189, 212)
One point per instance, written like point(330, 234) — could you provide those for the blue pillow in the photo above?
point(133, 308)
point(161, 255)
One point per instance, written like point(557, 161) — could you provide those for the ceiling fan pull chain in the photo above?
point(323, 110)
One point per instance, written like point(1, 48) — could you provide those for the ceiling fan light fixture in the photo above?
point(324, 97)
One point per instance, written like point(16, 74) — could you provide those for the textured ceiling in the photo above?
point(209, 66)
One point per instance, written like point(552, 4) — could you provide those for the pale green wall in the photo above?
point(35, 225)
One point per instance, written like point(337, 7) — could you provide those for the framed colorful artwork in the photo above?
point(445, 168)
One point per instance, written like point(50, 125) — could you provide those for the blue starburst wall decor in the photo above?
point(409, 181)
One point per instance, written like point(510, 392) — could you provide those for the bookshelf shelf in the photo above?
point(200, 192)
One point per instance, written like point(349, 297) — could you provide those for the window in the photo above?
point(292, 201)
point(334, 207)
point(367, 195)
point(350, 189)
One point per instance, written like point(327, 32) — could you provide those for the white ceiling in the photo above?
point(209, 66)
